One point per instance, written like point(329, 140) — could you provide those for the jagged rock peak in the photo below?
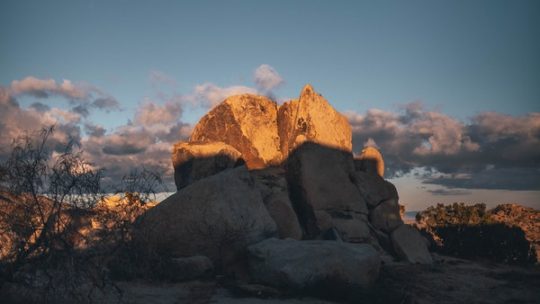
point(312, 118)
point(307, 90)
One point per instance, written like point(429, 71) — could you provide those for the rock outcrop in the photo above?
point(323, 193)
point(300, 181)
point(193, 161)
point(247, 123)
point(216, 217)
point(312, 265)
point(311, 118)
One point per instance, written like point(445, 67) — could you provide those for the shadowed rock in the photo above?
point(217, 217)
point(193, 161)
point(374, 188)
point(323, 194)
point(386, 216)
point(247, 123)
point(314, 266)
point(410, 246)
point(273, 186)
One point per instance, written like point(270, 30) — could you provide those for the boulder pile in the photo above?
point(279, 188)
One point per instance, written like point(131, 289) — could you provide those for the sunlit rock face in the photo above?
point(196, 160)
point(247, 123)
point(311, 118)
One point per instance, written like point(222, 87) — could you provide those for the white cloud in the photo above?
point(267, 78)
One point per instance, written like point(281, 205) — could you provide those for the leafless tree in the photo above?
point(54, 219)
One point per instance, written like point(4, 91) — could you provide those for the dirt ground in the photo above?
point(448, 280)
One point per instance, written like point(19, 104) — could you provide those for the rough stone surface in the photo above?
point(386, 216)
point(312, 118)
point(193, 161)
point(302, 265)
point(371, 161)
point(191, 268)
point(246, 122)
point(322, 192)
point(273, 186)
point(374, 189)
point(217, 217)
point(410, 246)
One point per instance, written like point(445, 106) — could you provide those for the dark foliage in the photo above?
point(496, 242)
point(468, 231)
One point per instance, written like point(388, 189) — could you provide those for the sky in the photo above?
point(449, 91)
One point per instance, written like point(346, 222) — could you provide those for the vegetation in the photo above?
point(469, 231)
point(59, 230)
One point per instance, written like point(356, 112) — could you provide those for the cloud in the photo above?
point(106, 103)
point(94, 130)
point(448, 192)
point(82, 96)
point(151, 113)
point(208, 95)
point(40, 107)
point(266, 78)
point(491, 151)
point(42, 88)
point(158, 78)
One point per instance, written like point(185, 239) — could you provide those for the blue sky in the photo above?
point(460, 58)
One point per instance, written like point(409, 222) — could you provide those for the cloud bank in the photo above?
point(491, 151)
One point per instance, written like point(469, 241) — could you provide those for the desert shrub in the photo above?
point(468, 231)
point(496, 242)
point(453, 214)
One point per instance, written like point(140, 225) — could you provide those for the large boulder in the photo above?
point(216, 217)
point(374, 189)
point(246, 122)
point(314, 265)
point(410, 246)
point(196, 160)
point(273, 186)
point(312, 118)
point(323, 193)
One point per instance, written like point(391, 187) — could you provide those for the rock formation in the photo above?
point(334, 214)
point(247, 123)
